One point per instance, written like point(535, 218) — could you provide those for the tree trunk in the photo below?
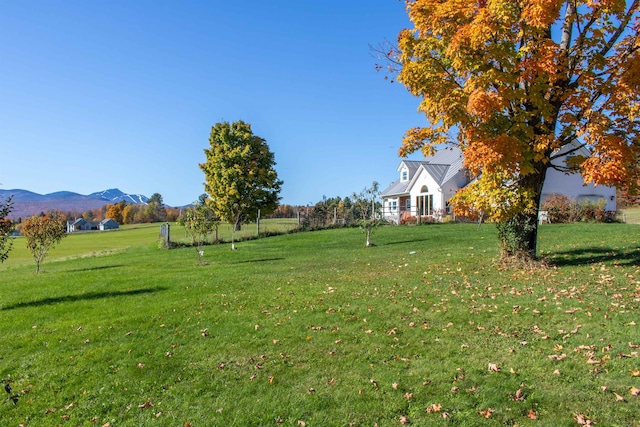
point(519, 234)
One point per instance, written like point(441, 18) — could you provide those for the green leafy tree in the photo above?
point(42, 233)
point(6, 229)
point(240, 175)
point(199, 221)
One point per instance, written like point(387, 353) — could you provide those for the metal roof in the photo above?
point(442, 166)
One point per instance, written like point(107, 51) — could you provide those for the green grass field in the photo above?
point(315, 329)
point(631, 215)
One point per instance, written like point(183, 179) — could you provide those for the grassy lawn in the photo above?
point(632, 215)
point(315, 329)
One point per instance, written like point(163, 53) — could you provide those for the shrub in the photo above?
point(562, 209)
point(406, 220)
point(558, 208)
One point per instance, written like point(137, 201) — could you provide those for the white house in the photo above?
point(424, 187)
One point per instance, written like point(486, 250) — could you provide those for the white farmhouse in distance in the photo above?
point(424, 187)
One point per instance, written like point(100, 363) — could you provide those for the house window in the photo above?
point(394, 205)
point(408, 204)
point(424, 189)
point(405, 175)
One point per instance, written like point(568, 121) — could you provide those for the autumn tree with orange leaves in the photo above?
point(512, 82)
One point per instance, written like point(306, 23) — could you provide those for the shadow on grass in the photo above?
point(83, 297)
point(585, 256)
point(104, 267)
point(248, 261)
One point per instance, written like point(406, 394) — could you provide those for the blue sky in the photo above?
point(123, 94)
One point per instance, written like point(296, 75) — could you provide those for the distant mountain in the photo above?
point(27, 203)
point(114, 196)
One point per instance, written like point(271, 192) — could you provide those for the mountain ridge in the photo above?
point(26, 203)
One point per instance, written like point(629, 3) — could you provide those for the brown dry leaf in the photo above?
point(394, 386)
point(106, 425)
point(434, 407)
point(634, 391)
point(558, 356)
point(404, 420)
point(619, 398)
point(556, 372)
point(582, 420)
point(408, 396)
point(532, 415)
point(518, 395)
point(493, 367)
point(146, 404)
point(635, 373)
point(487, 413)
point(302, 423)
point(446, 415)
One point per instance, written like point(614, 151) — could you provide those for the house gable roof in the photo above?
point(442, 166)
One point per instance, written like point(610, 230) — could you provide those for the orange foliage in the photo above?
point(516, 81)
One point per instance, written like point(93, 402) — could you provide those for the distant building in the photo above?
point(108, 224)
point(80, 224)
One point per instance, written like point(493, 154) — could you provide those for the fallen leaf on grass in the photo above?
point(634, 391)
point(582, 420)
point(404, 420)
point(487, 413)
point(619, 398)
point(532, 415)
point(518, 395)
point(493, 367)
point(557, 356)
point(146, 404)
point(434, 407)
point(302, 423)
point(635, 373)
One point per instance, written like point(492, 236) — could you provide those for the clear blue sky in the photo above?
point(123, 94)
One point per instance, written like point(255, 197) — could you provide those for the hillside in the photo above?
point(27, 203)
